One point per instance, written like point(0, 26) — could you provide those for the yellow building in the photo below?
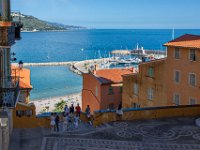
point(166, 82)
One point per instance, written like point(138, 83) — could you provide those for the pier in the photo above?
point(48, 64)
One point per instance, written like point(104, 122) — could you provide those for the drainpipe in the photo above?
point(5, 10)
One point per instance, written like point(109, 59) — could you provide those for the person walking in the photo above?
point(71, 109)
point(119, 111)
point(52, 122)
point(88, 114)
point(65, 122)
point(78, 110)
point(66, 110)
point(57, 119)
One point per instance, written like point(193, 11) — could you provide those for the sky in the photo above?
point(115, 14)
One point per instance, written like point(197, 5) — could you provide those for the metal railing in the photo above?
point(9, 92)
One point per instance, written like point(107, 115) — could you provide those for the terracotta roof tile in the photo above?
point(187, 41)
point(112, 75)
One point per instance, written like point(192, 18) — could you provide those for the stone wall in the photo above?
point(148, 113)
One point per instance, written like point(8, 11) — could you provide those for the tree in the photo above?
point(59, 107)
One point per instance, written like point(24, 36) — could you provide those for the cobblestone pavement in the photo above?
point(162, 134)
point(50, 143)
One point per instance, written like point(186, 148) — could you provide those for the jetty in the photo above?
point(48, 64)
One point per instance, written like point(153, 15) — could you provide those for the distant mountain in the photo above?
point(31, 23)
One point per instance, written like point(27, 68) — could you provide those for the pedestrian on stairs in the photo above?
point(57, 122)
point(66, 110)
point(76, 119)
point(71, 109)
point(88, 114)
point(119, 111)
point(65, 121)
point(52, 123)
point(78, 110)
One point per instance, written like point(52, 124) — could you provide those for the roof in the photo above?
point(24, 73)
point(107, 76)
point(187, 41)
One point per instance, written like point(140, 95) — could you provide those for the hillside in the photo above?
point(31, 23)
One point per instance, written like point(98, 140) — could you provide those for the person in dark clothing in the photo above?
point(71, 109)
point(57, 122)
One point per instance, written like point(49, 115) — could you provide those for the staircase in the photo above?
point(82, 129)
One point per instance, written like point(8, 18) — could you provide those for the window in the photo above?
point(151, 72)
point(29, 113)
point(150, 94)
point(193, 101)
point(177, 53)
point(192, 79)
point(96, 91)
point(19, 113)
point(135, 105)
point(135, 89)
point(192, 55)
point(110, 91)
point(176, 99)
point(177, 76)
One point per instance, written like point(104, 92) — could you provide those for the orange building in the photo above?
point(103, 88)
point(171, 81)
point(24, 83)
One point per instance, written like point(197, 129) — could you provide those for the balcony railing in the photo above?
point(9, 92)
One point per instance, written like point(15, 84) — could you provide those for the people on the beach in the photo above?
point(78, 110)
point(52, 122)
point(57, 119)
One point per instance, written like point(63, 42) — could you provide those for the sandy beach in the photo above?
point(50, 102)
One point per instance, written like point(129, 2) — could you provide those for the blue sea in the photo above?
point(80, 45)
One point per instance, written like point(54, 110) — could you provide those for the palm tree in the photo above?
point(59, 107)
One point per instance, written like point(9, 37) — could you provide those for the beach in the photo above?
point(49, 103)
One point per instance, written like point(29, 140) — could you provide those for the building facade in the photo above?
point(103, 88)
point(166, 82)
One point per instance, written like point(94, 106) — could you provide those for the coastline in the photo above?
point(49, 103)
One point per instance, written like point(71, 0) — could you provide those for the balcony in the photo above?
point(7, 35)
point(9, 93)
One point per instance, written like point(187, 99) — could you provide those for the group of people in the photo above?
point(70, 117)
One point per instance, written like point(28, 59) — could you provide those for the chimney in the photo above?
point(5, 10)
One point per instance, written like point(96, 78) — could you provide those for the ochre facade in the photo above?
point(174, 80)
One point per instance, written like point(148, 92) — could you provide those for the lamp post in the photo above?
point(20, 64)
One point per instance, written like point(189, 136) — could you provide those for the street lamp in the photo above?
point(20, 64)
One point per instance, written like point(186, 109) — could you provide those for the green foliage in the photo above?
point(59, 107)
point(30, 23)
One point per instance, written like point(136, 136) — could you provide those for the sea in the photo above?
point(53, 81)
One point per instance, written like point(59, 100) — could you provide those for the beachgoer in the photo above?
point(52, 123)
point(71, 109)
point(78, 110)
point(57, 122)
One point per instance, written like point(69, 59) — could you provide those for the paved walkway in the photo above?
point(162, 134)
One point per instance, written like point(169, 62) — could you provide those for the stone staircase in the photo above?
point(82, 129)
